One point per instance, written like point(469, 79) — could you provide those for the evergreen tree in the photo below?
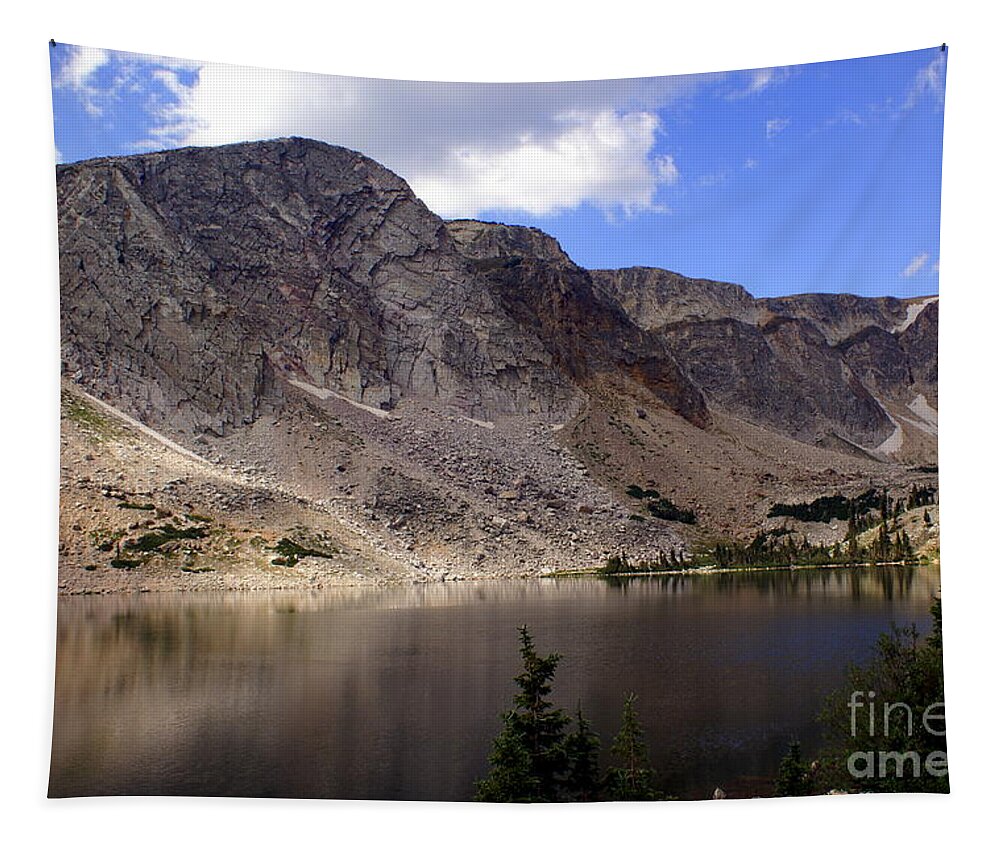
point(583, 748)
point(510, 780)
point(529, 759)
point(793, 779)
point(631, 777)
point(907, 546)
point(853, 550)
point(908, 676)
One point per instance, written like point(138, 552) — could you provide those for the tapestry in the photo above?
point(529, 442)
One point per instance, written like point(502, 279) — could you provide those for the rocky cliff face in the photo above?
point(656, 297)
point(814, 366)
point(190, 277)
point(588, 333)
point(920, 343)
point(195, 282)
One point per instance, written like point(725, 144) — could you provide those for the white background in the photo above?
point(500, 41)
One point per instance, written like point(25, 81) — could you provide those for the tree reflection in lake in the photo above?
point(394, 693)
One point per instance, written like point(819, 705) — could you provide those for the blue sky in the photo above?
point(809, 178)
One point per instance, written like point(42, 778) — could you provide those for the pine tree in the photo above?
point(510, 780)
point(904, 671)
point(529, 758)
point(852, 539)
point(793, 778)
point(631, 777)
point(583, 748)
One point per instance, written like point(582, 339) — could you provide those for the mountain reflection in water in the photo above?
point(395, 693)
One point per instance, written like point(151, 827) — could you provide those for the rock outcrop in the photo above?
point(588, 333)
point(817, 367)
point(654, 298)
point(190, 277)
point(196, 282)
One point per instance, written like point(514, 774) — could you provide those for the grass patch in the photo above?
point(138, 506)
point(80, 412)
point(97, 426)
point(125, 563)
point(152, 541)
point(291, 552)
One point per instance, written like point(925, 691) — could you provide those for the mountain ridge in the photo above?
point(240, 300)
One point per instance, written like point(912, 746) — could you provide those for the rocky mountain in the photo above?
point(191, 277)
point(823, 367)
point(281, 336)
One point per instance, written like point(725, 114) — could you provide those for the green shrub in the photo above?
point(152, 541)
point(664, 509)
point(637, 492)
point(290, 552)
point(827, 508)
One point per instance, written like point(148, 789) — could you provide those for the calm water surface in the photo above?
point(395, 693)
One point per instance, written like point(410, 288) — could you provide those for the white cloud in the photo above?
point(77, 72)
point(667, 170)
point(759, 79)
point(77, 69)
point(750, 163)
point(929, 81)
point(600, 158)
point(915, 265)
point(464, 148)
point(845, 116)
point(125, 72)
point(774, 126)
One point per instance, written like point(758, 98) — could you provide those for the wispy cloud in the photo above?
point(915, 265)
point(929, 82)
point(846, 117)
point(99, 78)
point(713, 179)
point(750, 163)
point(757, 80)
point(77, 73)
point(774, 126)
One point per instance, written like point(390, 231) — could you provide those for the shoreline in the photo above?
point(708, 570)
point(413, 582)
